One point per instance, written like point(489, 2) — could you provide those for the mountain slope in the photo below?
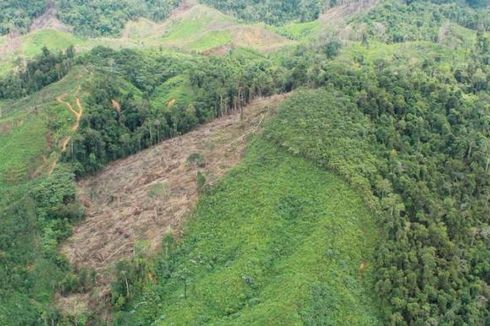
point(277, 242)
point(193, 28)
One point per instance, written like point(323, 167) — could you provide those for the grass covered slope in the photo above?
point(195, 29)
point(33, 218)
point(277, 242)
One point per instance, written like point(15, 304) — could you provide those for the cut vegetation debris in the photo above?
point(140, 199)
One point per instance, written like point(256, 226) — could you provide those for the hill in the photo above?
point(277, 241)
point(195, 28)
point(362, 198)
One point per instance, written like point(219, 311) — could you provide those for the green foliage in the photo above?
point(259, 245)
point(396, 21)
point(107, 17)
point(402, 135)
point(218, 85)
point(17, 16)
point(32, 226)
point(43, 70)
point(196, 159)
point(401, 117)
point(270, 11)
point(35, 215)
point(201, 181)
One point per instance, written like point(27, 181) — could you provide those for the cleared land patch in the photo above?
point(140, 199)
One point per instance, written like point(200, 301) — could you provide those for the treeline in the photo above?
point(270, 11)
point(17, 16)
point(415, 141)
point(472, 3)
point(34, 218)
point(108, 17)
point(395, 21)
point(39, 72)
point(214, 87)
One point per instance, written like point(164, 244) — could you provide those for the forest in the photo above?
point(17, 16)
point(215, 87)
point(108, 17)
point(37, 73)
point(385, 135)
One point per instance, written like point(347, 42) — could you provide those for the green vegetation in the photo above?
point(403, 137)
point(35, 214)
point(401, 115)
point(18, 15)
point(108, 17)
point(38, 73)
point(271, 11)
point(299, 31)
point(278, 241)
point(198, 29)
point(156, 106)
point(33, 43)
point(396, 21)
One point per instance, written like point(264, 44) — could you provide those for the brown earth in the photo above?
point(337, 18)
point(48, 20)
point(78, 116)
point(140, 199)
point(339, 14)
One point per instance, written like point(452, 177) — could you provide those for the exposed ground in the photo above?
point(337, 18)
point(191, 27)
point(14, 40)
point(140, 199)
point(201, 28)
point(78, 116)
point(339, 14)
point(48, 20)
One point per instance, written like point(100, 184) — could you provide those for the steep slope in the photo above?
point(32, 134)
point(30, 143)
point(277, 242)
point(141, 199)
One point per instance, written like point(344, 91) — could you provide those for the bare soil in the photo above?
point(78, 116)
point(140, 199)
point(49, 20)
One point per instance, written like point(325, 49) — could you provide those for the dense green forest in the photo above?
point(420, 20)
point(214, 87)
point(271, 11)
point(37, 73)
point(18, 15)
point(108, 17)
point(408, 158)
point(380, 157)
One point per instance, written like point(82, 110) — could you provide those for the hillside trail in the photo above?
point(78, 116)
point(138, 200)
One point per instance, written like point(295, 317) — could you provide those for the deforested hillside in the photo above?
point(244, 162)
point(190, 28)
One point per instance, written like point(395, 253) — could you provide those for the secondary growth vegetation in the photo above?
point(372, 181)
